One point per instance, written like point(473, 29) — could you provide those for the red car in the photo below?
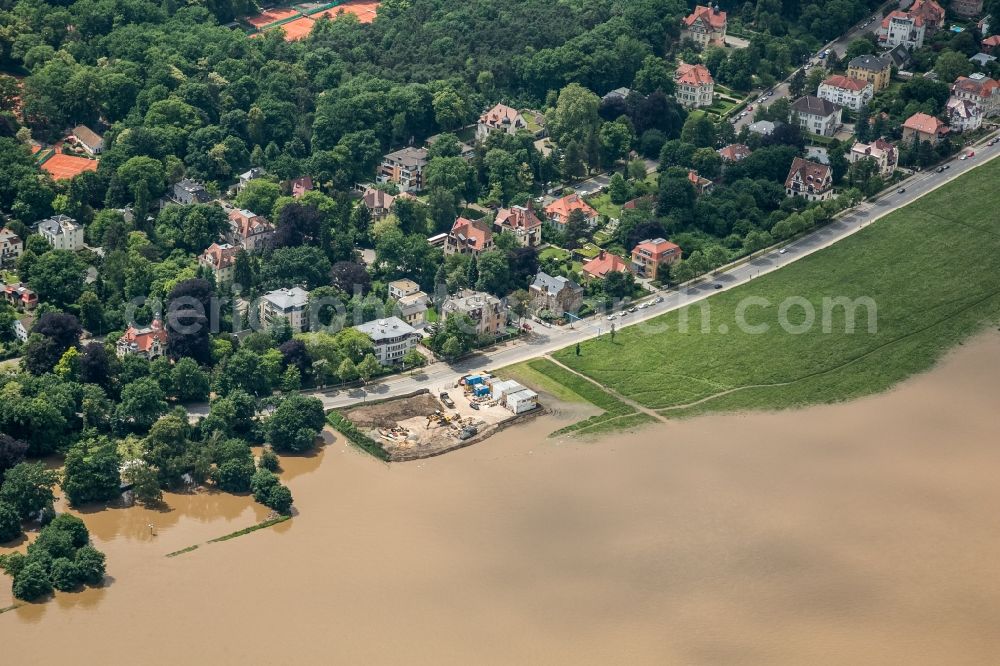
point(971, 153)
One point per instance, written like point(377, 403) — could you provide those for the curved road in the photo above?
point(440, 376)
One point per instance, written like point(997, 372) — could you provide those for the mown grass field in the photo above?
point(933, 269)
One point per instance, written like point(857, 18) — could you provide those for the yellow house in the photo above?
point(873, 69)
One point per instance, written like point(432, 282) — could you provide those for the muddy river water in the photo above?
point(861, 533)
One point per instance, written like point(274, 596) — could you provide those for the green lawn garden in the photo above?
point(931, 268)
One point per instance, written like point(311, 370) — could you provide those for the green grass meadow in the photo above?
point(932, 269)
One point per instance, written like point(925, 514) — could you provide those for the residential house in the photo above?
point(501, 118)
point(249, 230)
point(187, 191)
point(898, 56)
point(89, 140)
point(734, 152)
point(963, 115)
point(11, 247)
point(522, 222)
point(706, 26)
point(62, 232)
point(413, 308)
point(909, 28)
point(149, 342)
point(701, 184)
point(809, 180)
point(465, 151)
point(392, 339)
point(616, 94)
point(649, 256)
point(288, 304)
point(556, 294)
point(967, 8)
point(880, 150)
point(411, 301)
point(488, 313)
point(981, 90)
point(983, 60)
point(694, 86)
point(400, 288)
point(221, 260)
point(469, 237)
point(405, 168)
point(19, 295)
point(245, 177)
point(845, 91)
point(873, 69)
point(23, 325)
point(605, 263)
point(818, 116)
point(924, 128)
point(301, 185)
point(378, 202)
point(557, 213)
point(990, 44)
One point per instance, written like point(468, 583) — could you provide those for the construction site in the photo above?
point(429, 424)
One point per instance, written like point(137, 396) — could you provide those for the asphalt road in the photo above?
point(442, 376)
point(839, 46)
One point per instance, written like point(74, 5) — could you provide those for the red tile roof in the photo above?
point(560, 209)
point(810, 173)
point(245, 223)
point(517, 217)
point(220, 256)
point(143, 338)
point(925, 124)
point(693, 75)
point(301, 185)
point(473, 234)
point(984, 87)
point(735, 152)
point(846, 83)
point(992, 42)
point(605, 263)
point(502, 115)
point(657, 248)
point(715, 19)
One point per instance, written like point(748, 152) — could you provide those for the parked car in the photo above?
point(611, 317)
point(964, 157)
point(717, 286)
point(971, 153)
point(940, 169)
point(658, 299)
point(901, 190)
point(783, 250)
point(770, 92)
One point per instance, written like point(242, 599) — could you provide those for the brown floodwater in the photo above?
point(860, 533)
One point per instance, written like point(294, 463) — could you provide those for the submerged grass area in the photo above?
point(232, 535)
point(253, 528)
point(347, 428)
point(931, 269)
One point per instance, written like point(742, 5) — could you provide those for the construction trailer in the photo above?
point(502, 389)
point(522, 401)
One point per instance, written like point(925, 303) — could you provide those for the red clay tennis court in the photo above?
point(271, 16)
point(64, 167)
point(363, 9)
point(297, 29)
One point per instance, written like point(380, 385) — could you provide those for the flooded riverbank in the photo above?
point(858, 533)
